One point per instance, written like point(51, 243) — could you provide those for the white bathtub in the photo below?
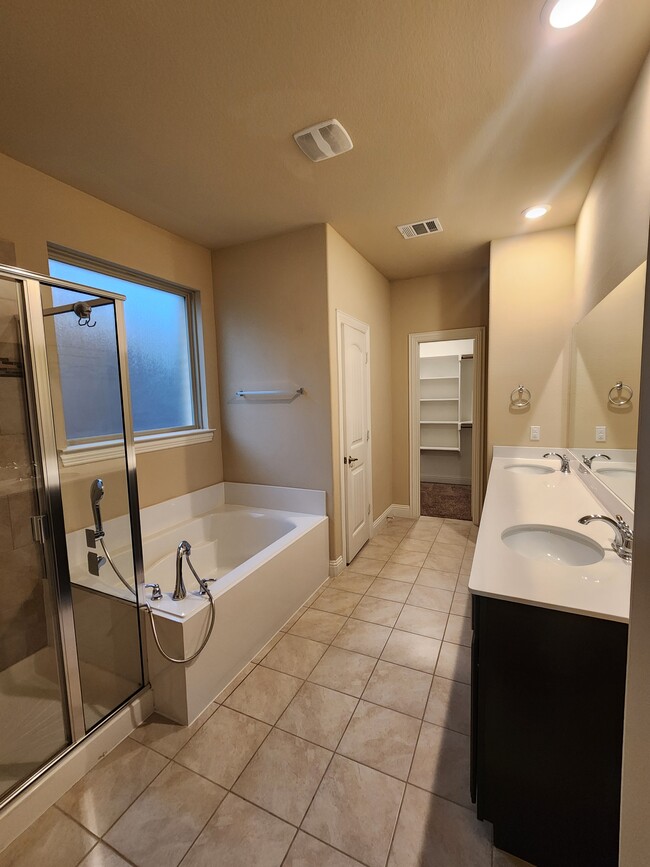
point(266, 562)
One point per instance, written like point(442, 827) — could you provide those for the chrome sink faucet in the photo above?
point(179, 590)
point(587, 461)
point(624, 538)
point(564, 467)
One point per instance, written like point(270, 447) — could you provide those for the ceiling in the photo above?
point(183, 113)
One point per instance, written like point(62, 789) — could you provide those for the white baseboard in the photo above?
point(447, 480)
point(336, 567)
point(379, 523)
point(37, 798)
point(399, 511)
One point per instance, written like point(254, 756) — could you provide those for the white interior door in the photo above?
point(356, 437)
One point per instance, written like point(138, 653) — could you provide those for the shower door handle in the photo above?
point(39, 528)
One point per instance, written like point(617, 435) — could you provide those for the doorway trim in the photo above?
point(478, 409)
point(343, 318)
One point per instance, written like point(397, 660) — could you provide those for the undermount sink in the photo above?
point(530, 469)
point(615, 471)
point(545, 542)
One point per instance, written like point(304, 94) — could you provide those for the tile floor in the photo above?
point(345, 741)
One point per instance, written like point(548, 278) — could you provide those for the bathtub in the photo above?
point(265, 563)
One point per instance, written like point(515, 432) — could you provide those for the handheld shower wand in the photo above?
point(96, 494)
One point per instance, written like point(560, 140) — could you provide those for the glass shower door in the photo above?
point(34, 719)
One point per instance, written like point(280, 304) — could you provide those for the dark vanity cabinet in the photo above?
point(547, 731)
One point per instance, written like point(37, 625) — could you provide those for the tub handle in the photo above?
point(204, 582)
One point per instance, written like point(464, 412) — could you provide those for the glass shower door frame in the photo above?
point(48, 488)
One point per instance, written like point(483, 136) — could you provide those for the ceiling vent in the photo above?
point(323, 140)
point(424, 227)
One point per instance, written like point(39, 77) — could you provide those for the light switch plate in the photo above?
point(601, 434)
point(534, 431)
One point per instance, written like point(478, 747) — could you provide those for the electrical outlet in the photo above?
point(601, 434)
point(534, 431)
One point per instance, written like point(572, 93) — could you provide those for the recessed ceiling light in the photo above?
point(536, 212)
point(566, 13)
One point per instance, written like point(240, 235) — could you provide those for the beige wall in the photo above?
point(436, 303)
point(271, 317)
point(612, 230)
point(532, 312)
point(36, 208)
point(356, 288)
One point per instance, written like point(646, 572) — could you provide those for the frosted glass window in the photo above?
point(159, 354)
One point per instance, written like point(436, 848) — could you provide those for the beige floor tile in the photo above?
point(104, 793)
point(408, 558)
point(398, 688)
point(435, 578)
point(424, 532)
point(264, 694)
point(459, 630)
point(473, 534)
point(420, 546)
point(400, 572)
point(167, 737)
point(387, 542)
point(375, 552)
point(441, 563)
point(267, 647)
point(161, 825)
point(318, 625)
point(387, 588)
point(318, 714)
point(449, 705)
point(429, 521)
point(463, 582)
point(283, 775)
point(462, 604)
point(449, 549)
point(366, 566)
point(430, 597)
point(413, 651)
point(295, 655)
point(432, 831)
point(223, 747)
point(454, 662)
point(294, 619)
point(53, 840)
point(103, 856)
point(381, 738)
point(351, 582)
point(362, 637)
point(394, 530)
point(374, 610)
point(441, 764)
point(422, 621)
point(307, 851)
point(241, 835)
point(336, 601)
point(343, 670)
point(505, 859)
point(234, 683)
point(355, 810)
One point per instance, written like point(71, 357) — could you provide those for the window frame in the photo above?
point(82, 450)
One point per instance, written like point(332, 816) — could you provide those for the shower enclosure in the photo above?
point(70, 654)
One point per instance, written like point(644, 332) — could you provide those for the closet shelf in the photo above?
point(439, 449)
point(451, 422)
point(431, 378)
point(434, 399)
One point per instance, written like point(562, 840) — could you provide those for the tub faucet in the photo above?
point(624, 538)
point(587, 461)
point(564, 468)
point(179, 590)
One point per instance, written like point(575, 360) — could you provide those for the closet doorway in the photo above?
point(446, 373)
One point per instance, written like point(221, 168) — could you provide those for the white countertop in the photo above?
point(598, 590)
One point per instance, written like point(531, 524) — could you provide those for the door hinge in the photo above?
point(368, 508)
point(368, 436)
point(366, 358)
point(39, 528)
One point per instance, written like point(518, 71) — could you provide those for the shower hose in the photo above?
point(204, 588)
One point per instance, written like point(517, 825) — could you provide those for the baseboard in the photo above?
point(400, 511)
point(379, 523)
point(25, 808)
point(446, 480)
point(336, 567)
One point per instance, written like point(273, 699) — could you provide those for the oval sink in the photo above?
point(615, 471)
point(529, 469)
point(545, 542)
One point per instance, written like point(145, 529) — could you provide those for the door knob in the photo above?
point(352, 460)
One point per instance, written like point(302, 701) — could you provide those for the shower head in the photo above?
point(96, 494)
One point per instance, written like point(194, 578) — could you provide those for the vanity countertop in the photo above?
point(515, 498)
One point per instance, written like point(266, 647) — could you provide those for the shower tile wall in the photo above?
point(23, 628)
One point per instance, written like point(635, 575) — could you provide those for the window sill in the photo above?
point(72, 456)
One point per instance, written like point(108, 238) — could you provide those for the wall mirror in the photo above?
point(605, 376)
